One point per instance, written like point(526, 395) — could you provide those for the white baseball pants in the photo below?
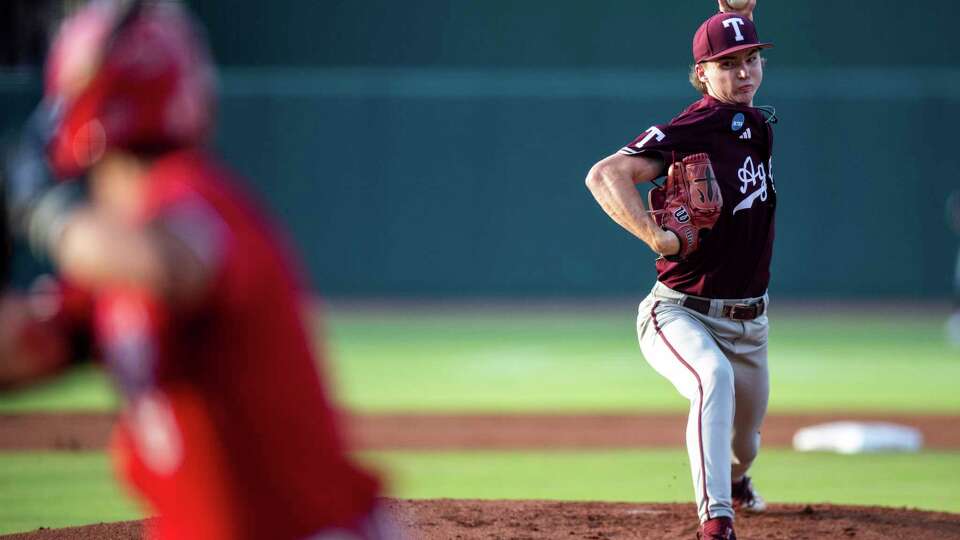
point(720, 365)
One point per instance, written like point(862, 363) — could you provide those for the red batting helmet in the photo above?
point(135, 76)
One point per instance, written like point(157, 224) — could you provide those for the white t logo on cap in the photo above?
point(736, 23)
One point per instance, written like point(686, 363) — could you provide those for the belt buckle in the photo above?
point(743, 312)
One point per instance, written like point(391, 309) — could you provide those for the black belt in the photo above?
point(737, 312)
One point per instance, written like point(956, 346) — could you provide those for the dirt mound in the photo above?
point(124, 530)
point(445, 519)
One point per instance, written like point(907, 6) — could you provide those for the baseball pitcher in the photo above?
point(704, 324)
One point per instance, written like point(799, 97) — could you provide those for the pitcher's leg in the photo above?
point(752, 393)
point(752, 386)
point(681, 349)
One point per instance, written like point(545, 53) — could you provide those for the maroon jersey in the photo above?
point(734, 260)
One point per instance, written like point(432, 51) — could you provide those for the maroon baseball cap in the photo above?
point(723, 34)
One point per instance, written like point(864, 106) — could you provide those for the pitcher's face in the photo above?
point(733, 79)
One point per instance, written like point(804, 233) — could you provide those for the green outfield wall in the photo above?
point(440, 148)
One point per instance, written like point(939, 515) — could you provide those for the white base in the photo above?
point(857, 437)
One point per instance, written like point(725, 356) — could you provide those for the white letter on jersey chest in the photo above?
point(651, 133)
point(749, 175)
point(736, 23)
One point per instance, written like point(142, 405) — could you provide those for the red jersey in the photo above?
point(734, 261)
point(226, 430)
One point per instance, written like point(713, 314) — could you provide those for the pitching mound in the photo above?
point(445, 519)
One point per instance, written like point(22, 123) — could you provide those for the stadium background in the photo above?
point(438, 148)
point(436, 151)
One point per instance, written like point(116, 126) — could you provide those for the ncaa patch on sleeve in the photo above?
point(737, 123)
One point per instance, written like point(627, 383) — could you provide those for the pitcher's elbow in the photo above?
point(595, 176)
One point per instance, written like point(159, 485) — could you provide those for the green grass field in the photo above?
point(61, 489)
point(569, 361)
point(560, 361)
point(591, 361)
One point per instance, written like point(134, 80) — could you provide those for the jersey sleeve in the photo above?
point(671, 142)
point(134, 330)
point(194, 231)
point(199, 228)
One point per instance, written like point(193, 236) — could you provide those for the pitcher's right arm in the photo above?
point(612, 181)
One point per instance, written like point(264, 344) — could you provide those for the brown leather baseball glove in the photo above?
point(689, 204)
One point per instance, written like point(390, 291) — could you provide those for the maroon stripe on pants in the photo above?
point(703, 465)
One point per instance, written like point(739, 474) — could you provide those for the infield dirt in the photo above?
point(89, 431)
point(445, 519)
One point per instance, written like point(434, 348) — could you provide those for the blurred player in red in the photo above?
point(226, 429)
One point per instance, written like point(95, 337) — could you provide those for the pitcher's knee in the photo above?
point(717, 376)
point(745, 454)
point(745, 448)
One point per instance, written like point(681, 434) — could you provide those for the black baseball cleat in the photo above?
point(746, 498)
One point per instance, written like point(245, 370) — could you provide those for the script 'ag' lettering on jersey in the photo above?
point(751, 176)
point(654, 131)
